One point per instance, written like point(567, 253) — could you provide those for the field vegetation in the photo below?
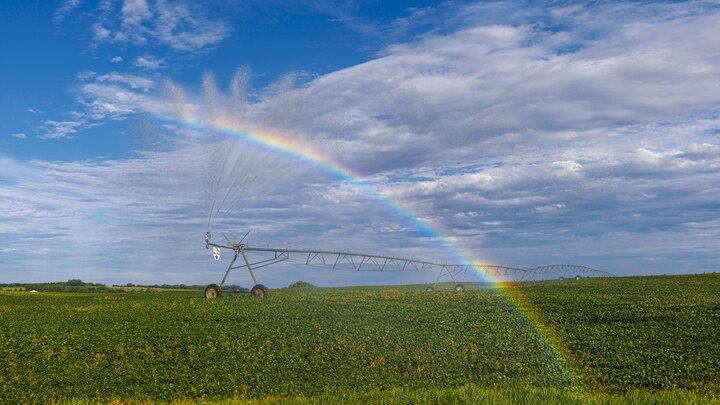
point(643, 339)
point(79, 286)
point(74, 286)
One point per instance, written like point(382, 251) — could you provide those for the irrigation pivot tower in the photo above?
point(362, 262)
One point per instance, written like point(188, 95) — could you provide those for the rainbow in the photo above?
point(272, 141)
point(276, 142)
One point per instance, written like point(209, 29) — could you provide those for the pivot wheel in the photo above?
point(459, 287)
point(259, 291)
point(212, 291)
point(430, 289)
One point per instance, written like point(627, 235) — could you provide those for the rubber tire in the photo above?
point(212, 291)
point(430, 289)
point(459, 288)
point(259, 291)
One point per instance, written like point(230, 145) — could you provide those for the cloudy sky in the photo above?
point(522, 133)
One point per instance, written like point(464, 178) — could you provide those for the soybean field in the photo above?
point(602, 340)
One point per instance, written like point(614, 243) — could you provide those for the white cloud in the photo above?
point(19, 135)
point(149, 62)
point(132, 81)
point(496, 88)
point(183, 30)
point(62, 129)
point(596, 143)
point(65, 8)
point(179, 26)
point(134, 12)
point(105, 97)
point(86, 75)
point(525, 209)
point(116, 59)
point(100, 33)
point(156, 204)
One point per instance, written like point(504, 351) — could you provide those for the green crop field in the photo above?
point(613, 340)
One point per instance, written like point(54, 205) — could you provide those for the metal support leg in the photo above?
point(452, 276)
point(248, 267)
point(442, 269)
point(228, 270)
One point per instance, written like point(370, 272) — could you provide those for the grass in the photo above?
point(621, 340)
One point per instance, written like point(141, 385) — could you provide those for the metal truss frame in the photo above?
point(370, 262)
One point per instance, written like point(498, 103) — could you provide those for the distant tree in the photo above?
point(75, 282)
point(301, 284)
point(231, 288)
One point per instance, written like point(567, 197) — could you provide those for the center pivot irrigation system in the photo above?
point(365, 262)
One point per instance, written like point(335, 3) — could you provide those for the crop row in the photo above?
point(610, 335)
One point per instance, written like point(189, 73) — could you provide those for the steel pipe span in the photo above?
point(383, 263)
point(366, 262)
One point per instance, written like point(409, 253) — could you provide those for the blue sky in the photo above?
point(527, 133)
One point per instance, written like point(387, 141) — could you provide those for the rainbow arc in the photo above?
point(492, 275)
